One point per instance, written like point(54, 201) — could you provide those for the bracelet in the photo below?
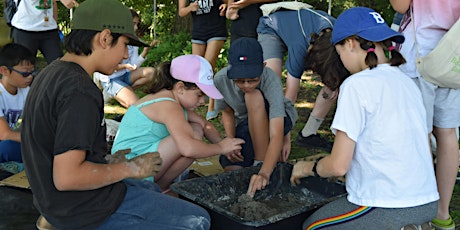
point(314, 167)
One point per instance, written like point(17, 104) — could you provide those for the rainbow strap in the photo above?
point(363, 210)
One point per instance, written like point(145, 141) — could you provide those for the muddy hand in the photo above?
point(258, 182)
point(148, 164)
point(301, 169)
point(117, 157)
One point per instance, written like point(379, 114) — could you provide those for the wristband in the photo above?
point(314, 167)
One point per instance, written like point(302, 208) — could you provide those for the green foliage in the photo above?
point(170, 47)
point(173, 45)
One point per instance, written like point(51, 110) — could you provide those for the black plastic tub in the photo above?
point(290, 205)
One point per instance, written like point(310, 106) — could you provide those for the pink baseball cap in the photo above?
point(195, 69)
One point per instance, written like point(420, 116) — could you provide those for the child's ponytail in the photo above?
point(371, 57)
point(391, 53)
point(162, 79)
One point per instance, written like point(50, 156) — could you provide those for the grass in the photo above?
point(309, 88)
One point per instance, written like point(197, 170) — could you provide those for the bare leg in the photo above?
point(292, 88)
point(258, 123)
point(141, 76)
point(173, 161)
point(320, 110)
point(126, 97)
point(446, 167)
point(275, 64)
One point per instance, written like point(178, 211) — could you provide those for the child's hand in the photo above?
point(131, 67)
point(194, 6)
point(117, 157)
point(146, 165)
point(301, 169)
point(240, 4)
point(285, 151)
point(154, 43)
point(222, 9)
point(232, 13)
point(258, 182)
point(229, 145)
point(234, 156)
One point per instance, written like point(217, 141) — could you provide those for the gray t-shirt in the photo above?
point(270, 86)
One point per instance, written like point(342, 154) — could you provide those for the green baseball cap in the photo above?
point(106, 14)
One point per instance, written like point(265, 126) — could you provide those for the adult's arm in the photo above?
point(400, 6)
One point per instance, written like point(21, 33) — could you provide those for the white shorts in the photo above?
point(442, 105)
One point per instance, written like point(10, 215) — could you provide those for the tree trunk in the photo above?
point(182, 24)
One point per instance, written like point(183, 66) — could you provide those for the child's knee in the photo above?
point(254, 100)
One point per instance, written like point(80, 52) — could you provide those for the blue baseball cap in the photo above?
point(366, 23)
point(245, 59)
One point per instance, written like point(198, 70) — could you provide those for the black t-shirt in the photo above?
point(246, 24)
point(207, 23)
point(64, 111)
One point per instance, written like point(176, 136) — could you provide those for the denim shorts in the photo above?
point(201, 42)
point(116, 84)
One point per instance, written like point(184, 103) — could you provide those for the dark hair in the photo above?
point(163, 79)
point(134, 14)
point(80, 42)
point(13, 54)
point(396, 58)
point(323, 59)
point(371, 60)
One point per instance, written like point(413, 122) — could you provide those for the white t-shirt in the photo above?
point(11, 106)
point(432, 18)
point(31, 16)
point(382, 111)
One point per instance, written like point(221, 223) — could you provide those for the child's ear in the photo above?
point(180, 86)
point(5, 71)
point(105, 38)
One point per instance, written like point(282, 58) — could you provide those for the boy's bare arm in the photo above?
point(72, 172)
point(6, 133)
point(272, 156)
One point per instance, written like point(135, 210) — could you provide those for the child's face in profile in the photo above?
point(247, 85)
point(192, 98)
point(135, 23)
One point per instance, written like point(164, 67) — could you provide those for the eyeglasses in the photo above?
point(24, 74)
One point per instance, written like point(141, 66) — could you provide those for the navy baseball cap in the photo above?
point(364, 22)
point(245, 59)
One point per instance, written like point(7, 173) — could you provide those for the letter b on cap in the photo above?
point(378, 18)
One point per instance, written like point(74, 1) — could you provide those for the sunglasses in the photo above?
point(24, 74)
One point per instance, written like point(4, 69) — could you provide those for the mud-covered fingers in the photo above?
point(257, 182)
point(117, 157)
